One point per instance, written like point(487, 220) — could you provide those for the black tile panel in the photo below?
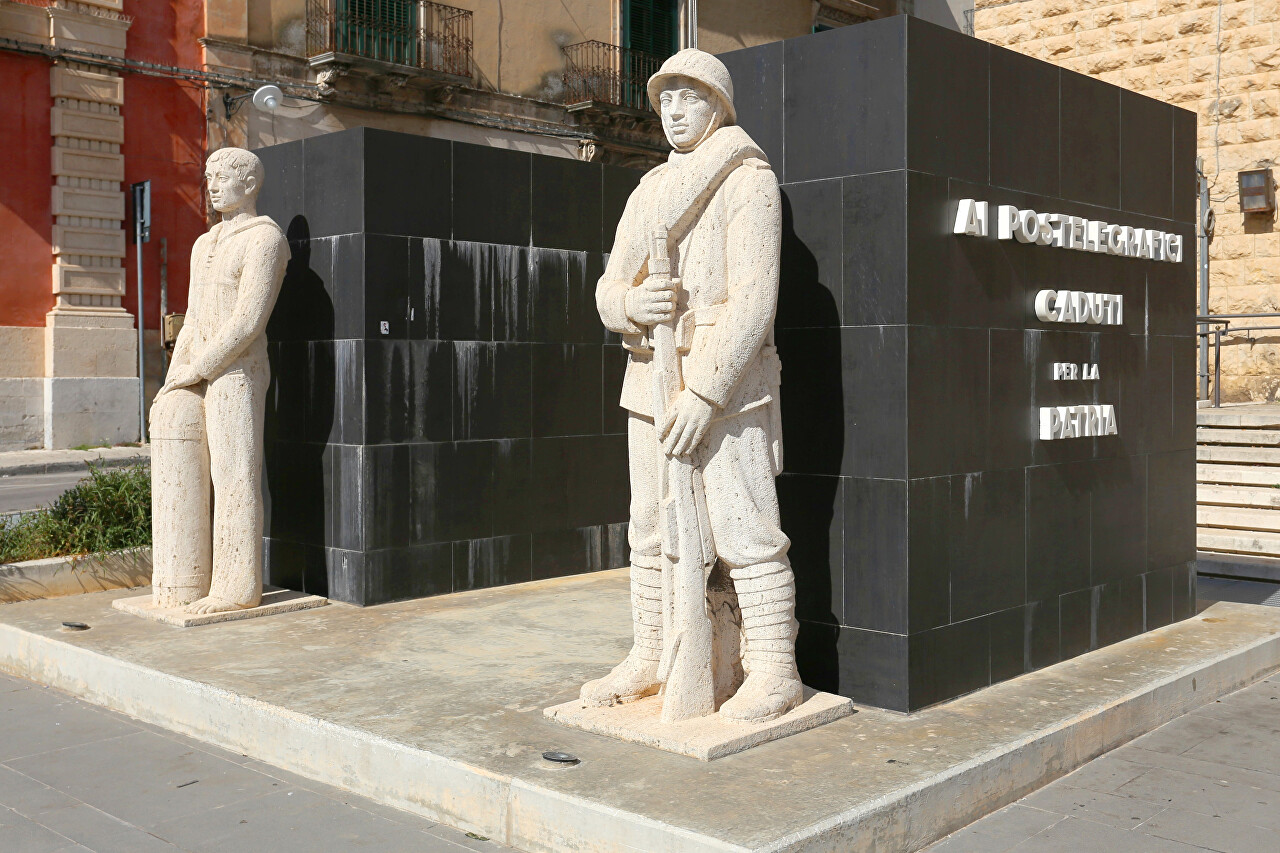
point(949, 661)
point(875, 554)
point(1007, 638)
point(399, 574)
point(568, 199)
point(407, 184)
point(874, 240)
point(1159, 591)
point(1057, 530)
point(813, 518)
point(562, 301)
point(928, 554)
point(492, 390)
point(1075, 622)
point(282, 194)
point(947, 400)
point(1117, 518)
point(1186, 193)
point(759, 71)
point(346, 286)
point(618, 184)
point(386, 505)
point(813, 410)
point(1024, 123)
point(844, 108)
point(557, 553)
point(1171, 516)
point(948, 109)
point(1146, 155)
point(874, 399)
point(872, 666)
point(566, 389)
point(492, 195)
point(614, 364)
point(809, 292)
point(1041, 634)
point(985, 544)
point(333, 184)
point(495, 561)
point(1090, 147)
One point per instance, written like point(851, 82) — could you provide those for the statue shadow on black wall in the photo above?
point(808, 335)
point(299, 420)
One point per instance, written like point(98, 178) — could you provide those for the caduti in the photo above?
point(685, 670)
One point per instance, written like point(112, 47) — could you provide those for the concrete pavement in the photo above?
point(21, 462)
point(1209, 780)
point(75, 777)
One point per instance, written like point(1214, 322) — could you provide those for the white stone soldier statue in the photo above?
point(719, 201)
point(207, 420)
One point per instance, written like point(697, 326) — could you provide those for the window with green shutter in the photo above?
point(651, 26)
point(377, 29)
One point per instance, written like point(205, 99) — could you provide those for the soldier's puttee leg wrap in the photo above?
point(646, 609)
point(767, 599)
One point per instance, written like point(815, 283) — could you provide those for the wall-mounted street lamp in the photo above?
point(1257, 191)
point(266, 98)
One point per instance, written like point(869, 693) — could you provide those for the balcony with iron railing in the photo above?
point(414, 34)
point(600, 73)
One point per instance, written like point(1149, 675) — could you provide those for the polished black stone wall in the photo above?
point(939, 546)
point(443, 408)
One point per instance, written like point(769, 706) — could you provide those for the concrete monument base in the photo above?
point(274, 601)
point(435, 706)
point(706, 738)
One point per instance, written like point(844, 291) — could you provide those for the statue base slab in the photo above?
point(274, 600)
point(706, 738)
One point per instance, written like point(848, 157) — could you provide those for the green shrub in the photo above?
point(109, 510)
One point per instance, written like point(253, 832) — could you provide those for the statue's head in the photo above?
point(234, 176)
point(693, 93)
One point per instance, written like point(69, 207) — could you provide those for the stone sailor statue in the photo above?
point(207, 420)
point(692, 286)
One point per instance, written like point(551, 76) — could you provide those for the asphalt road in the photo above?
point(32, 491)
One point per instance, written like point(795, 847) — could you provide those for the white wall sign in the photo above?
point(1070, 370)
point(1078, 306)
point(973, 218)
point(1076, 421)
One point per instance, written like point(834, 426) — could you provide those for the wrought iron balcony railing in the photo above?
point(416, 33)
point(606, 73)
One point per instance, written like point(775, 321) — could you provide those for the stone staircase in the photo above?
point(1238, 491)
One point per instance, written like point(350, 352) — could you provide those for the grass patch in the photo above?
point(107, 511)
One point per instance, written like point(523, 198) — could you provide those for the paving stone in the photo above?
point(1172, 789)
point(1211, 833)
point(1122, 812)
point(1180, 735)
point(999, 831)
point(20, 835)
point(29, 797)
point(1105, 774)
point(103, 833)
point(295, 820)
point(1212, 770)
point(150, 777)
point(1074, 835)
point(37, 721)
point(462, 840)
point(1249, 749)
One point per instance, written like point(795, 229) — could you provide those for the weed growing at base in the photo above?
point(109, 510)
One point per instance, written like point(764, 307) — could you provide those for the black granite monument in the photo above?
point(939, 545)
point(443, 410)
point(444, 415)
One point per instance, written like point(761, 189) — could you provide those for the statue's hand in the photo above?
point(180, 377)
point(687, 424)
point(653, 302)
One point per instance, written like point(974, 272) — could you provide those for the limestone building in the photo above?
point(1222, 60)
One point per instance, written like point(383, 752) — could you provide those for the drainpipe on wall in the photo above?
point(688, 23)
point(1206, 227)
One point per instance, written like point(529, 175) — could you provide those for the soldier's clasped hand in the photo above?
point(653, 302)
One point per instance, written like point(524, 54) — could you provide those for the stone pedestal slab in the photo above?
point(706, 738)
point(274, 601)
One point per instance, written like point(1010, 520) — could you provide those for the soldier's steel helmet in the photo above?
point(700, 66)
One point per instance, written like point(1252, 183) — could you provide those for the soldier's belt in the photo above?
point(707, 315)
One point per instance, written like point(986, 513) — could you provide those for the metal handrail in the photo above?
point(1224, 320)
point(605, 73)
point(415, 33)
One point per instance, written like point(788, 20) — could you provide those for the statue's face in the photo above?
point(227, 190)
point(688, 109)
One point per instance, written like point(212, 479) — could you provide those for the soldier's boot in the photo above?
point(767, 599)
point(637, 676)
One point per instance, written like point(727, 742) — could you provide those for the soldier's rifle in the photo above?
point(685, 669)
